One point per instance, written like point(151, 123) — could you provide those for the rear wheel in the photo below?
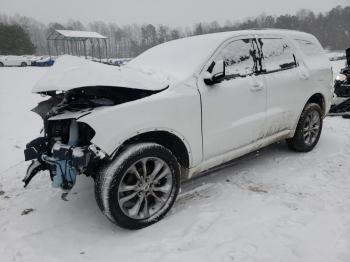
point(23, 64)
point(139, 187)
point(308, 130)
point(1, 64)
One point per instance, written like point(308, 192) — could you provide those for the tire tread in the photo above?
point(296, 143)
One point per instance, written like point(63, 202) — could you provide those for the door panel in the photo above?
point(12, 60)
point(285, 85)
point(233, 111)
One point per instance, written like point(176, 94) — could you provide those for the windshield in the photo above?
point(179, 58)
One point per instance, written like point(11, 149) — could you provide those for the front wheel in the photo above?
point(23, 64)
point(308, 130)
point(139, 187)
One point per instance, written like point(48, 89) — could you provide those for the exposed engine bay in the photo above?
point(65, 147)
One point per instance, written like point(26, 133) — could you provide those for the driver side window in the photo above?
point(240, 58)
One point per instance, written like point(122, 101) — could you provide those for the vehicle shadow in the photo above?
point(82, 205)
point(237, 166)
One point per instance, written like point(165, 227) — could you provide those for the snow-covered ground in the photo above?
point(273, 205)
point(336, 55)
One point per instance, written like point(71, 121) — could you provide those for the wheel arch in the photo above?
point(319, 99)
point(170, 139)
point(316, 98)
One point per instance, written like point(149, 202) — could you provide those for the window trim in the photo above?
point(263, 69)
point(251, 38)
point(301, 44)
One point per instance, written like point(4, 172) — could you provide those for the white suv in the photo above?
point(13, 60)
point(178, 109)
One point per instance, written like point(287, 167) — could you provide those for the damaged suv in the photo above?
point(175, 111)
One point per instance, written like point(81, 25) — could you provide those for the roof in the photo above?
point(63, 34)
point(183, 57)
point(222, 36)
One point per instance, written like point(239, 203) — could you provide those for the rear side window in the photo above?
point(277, 55)
point(240, 58)
point(309, 48)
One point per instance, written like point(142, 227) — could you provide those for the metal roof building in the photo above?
point(78, 43)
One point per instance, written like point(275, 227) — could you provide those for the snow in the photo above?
point(180, 58)
point(70, 72)
point(272, 205)
point(183, 57)
point(336, 55)
point(80, 34)
point(18, 123)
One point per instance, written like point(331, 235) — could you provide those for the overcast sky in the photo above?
point(170, 12)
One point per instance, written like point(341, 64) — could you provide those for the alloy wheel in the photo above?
point(311, 128)
point(145, 188)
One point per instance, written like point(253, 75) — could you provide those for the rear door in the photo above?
point(233, 111)
point(284, 84)
point(18, 60)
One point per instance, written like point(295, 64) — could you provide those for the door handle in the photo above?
point(304, 76)
point(304, 73)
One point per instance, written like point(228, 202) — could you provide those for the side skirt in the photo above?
point(221, 161)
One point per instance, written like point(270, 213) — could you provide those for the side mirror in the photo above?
point(215, 73)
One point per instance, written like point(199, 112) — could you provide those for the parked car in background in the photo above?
point(175, 111)
point(13, 60)
point(43, 61)
point(118, 61)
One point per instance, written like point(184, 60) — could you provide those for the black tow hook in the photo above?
point(34, 168)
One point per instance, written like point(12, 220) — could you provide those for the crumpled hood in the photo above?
point(71, 72)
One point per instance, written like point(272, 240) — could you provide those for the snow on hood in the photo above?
point(71, 72)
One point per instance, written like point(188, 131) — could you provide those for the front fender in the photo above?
point(176, 110)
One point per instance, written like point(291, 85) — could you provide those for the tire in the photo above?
point(308, 130)
point(23, 64)
point(117, 184)
point(1, 64)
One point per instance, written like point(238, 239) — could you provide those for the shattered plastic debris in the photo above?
point(27, 211)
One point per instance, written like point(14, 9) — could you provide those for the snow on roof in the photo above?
point(183, 57)
point(80, 34)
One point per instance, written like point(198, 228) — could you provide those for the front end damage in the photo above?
point(65, 151)
point(64, 147)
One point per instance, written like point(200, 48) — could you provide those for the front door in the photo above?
point(233, 111)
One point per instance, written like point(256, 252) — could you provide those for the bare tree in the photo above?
point(332, 28)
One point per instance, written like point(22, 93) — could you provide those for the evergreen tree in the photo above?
point(14, 40)
point(331, 28)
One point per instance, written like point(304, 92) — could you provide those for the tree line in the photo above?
point(331, 28)
point(14, 40)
